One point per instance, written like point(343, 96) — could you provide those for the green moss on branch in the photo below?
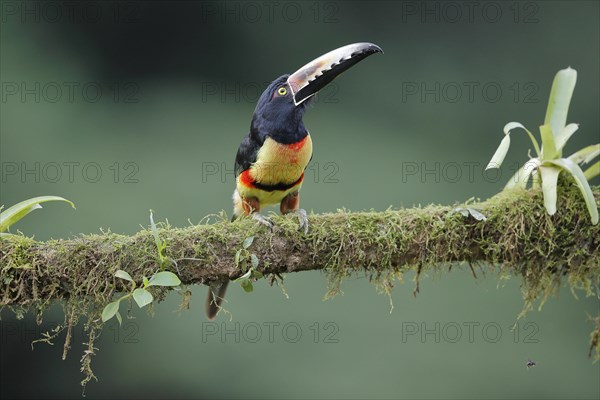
point(518, 237)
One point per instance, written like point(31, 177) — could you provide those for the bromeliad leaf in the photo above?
point(500, 153)
point(521, 177)
point(164, 278)
point(13, 214)
point(548, 146)
point(555, 135)
point(513, 125)
point(549, 180)
point(562, 137)
point(582, 183)
point(110, 310)
point(586, 154)
point(560, 99)
point(142, 297)
point(592, 171)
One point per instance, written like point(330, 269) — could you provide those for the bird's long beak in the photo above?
point(315, 75)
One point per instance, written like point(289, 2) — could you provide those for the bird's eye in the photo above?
point(282, 91)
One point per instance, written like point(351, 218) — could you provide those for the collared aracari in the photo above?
point(270, 162)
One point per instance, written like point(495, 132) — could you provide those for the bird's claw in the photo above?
point(268, 222)
point(302, 219)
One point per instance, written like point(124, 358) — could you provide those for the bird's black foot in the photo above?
point(302, 219)
point(268, 222)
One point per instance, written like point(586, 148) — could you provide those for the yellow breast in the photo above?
point(281, 163)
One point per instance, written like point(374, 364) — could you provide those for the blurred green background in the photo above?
point(126, 106)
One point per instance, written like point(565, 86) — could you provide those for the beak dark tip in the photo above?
point(368, 49)
point(375, 49)
point(315, 75)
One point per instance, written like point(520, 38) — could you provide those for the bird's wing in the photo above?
point(247, 153)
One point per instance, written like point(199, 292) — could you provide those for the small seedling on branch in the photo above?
point(161, 245)
point(141, 295)
point(241, 260)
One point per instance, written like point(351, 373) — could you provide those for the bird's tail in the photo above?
point(216, 291)
point(216, 294)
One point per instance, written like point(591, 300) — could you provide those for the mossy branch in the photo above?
point(518, 235)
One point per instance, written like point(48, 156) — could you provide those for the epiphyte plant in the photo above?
point(545, 168)
point(13, 214)
point(142, 295)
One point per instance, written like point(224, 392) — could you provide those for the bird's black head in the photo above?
point(276, 115)
point(280, 108)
